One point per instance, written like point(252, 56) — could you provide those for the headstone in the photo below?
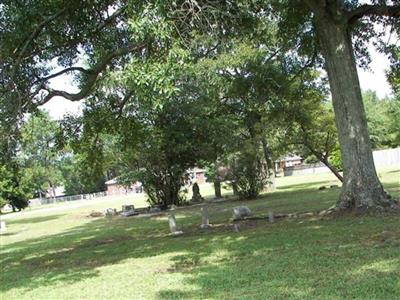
point(271, 216)
point(205, 220)
point(109, 212)
point(172, 225)
point(196, 193)
point(3, 226)
point(128, 210)
point(240, 212)
point(129, 213)
point(95, 214)
point(128, 207)
point(155, 209)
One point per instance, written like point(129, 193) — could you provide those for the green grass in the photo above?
point(63, 254)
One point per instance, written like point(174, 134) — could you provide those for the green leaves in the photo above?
point(383, 120)
point(150, 25)
point(39, 151)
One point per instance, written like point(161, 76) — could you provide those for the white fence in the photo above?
point(382, 158)
point(306, 169)
point(93, 196)
point(387, 158)
point(43, 201)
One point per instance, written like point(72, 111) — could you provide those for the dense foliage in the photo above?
point(155, 74)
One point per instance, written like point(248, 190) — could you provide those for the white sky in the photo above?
point(373, 79)
point(58, 106)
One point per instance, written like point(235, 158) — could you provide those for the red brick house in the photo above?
point(197, 175)
point(288, 161)
point(113, 188)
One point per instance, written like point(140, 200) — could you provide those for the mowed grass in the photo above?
point(64, 254)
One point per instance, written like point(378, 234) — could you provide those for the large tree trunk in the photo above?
point(361, 186)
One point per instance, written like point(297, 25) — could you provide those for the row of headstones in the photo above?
point(127, 211)
point(239, 213)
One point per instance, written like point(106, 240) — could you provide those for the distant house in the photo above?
point(58, 191)
point(113, 188)
point(288, 161)
point(197, 175)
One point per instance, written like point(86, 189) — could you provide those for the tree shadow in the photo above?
point(76, 254)
point(34, 220)
point(394, 171)
point(303, 259)
point(305, 186)
point(298, 266)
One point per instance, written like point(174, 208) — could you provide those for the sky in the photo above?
point(373, 79)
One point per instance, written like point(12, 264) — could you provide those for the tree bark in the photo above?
point(361, 187)
point(217, 189)
point(324, 159)
point(270, 165)
point(332, 168)
point(235, 188)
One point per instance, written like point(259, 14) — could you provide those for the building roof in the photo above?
point(196, 170)
point(290, 158)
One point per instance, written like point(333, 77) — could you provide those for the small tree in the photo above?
point(314, 132)
point(40, 154)
point(249, 170)
point(14, 189)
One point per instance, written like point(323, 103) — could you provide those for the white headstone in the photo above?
point(172, 225)
point(3, 226)
point(271, 216)
point(241, 212)
point(109, 212)
point(205, 220)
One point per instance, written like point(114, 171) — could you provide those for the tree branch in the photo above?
point(67, 70)
point(373, 10)
point(123, 103)
point(92, 76)
point(111, 18)
point(310, 62)
point(35, 34)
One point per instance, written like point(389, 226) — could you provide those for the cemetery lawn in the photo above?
point(64, 254)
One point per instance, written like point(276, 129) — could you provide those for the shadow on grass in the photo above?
point(298, 259)
point(305, 186)
point(297, 263)
point(8, 233)
point(394, 171)
point(35, 220)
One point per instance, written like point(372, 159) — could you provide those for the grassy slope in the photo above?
point(67, 255)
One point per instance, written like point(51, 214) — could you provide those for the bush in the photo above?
point(250, 174)
point(13, 188)
point(336, 159)
point(163, 186)
point(3, 202)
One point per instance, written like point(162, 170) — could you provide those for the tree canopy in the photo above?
point(132, 62)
